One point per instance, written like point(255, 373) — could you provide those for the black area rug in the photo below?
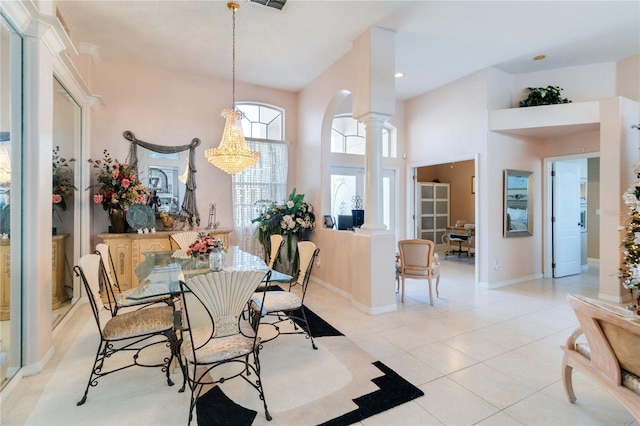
point(215, 409)
point(318, 327)
point(394, 390)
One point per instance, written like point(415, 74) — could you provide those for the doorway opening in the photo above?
point(572, 222)
point(443, 201)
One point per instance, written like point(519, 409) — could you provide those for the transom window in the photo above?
point(348, 136)
point(262, 121)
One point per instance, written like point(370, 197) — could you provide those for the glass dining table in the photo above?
point(160, 272)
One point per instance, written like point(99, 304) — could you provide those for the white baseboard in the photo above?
point(369, 310)
point(505, 283)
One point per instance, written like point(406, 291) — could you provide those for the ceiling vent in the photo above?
point(276, 4)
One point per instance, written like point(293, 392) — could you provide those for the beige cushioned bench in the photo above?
point(611, 355)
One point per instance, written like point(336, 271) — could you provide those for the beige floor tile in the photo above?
point(493, 386)
point(499, 419)
point(411, 368)
point(443, 358)
point(408, 414)
point(376, 345)
point(475, 346)
point(452, 404)
point(592, 400)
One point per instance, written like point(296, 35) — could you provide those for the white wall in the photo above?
point(169, 108)
point(450, 122)
point(580, 84)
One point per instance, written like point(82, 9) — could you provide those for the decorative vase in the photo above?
point(202, 261)
point(286, 261)
point(216, 259)
point(118, 221)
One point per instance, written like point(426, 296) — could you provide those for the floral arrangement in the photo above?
point(63, 186)
point(117, 186)
point(204, 245)
point(293, 216)
point(630, 268)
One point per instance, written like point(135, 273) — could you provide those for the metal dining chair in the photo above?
point(287, 306)
point(132, 331)
point(228, 338)
point(116, 297)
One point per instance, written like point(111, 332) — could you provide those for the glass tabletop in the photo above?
point(161, 271)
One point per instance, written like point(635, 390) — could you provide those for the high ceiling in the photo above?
point(436, 41)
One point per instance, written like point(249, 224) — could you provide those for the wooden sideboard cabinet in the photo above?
point(127, 251)
point(58, 292)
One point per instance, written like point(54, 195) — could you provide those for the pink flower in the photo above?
point(126, 183)
point(97, 198)
point(56, 198)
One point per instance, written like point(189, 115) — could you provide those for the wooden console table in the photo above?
point(127, 250)
point(58, 292)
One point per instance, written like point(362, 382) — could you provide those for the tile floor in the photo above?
point(486, 357)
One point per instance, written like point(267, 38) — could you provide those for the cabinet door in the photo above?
point(121, 253)
point(145, 245)
point(5, 281)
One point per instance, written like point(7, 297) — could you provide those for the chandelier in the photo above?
point(232, 155)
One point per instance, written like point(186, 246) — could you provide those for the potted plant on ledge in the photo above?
point(549, 95)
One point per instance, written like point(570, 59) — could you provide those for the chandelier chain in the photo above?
point(233, 59)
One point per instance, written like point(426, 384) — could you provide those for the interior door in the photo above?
point(566, 218)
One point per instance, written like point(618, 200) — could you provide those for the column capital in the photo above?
point(373, 117)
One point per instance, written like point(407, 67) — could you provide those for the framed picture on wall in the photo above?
point(329, 222)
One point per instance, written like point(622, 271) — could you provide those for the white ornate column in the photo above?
point(373, 217)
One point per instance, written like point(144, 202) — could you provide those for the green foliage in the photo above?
point(630, 268)
point(549, 95)
point(291, 217)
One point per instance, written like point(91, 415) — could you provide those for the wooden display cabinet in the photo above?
point(127, 251)
point(58, 291)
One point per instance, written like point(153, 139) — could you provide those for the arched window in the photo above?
point(348, 136)
point(263, 128)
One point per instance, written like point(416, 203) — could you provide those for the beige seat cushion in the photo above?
point(275, 301)
point(629, 380)
point(219, 348)
point(140, 322)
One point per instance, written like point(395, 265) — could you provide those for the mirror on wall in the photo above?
point(518, 203)
point(169, 172)
point(67, 130)
point(164, 175)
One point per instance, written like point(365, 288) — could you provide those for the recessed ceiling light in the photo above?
point(539, 57)
point(399, 74)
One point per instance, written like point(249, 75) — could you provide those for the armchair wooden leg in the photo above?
point(402, 294)
point(430, 293)
point(567, 382)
